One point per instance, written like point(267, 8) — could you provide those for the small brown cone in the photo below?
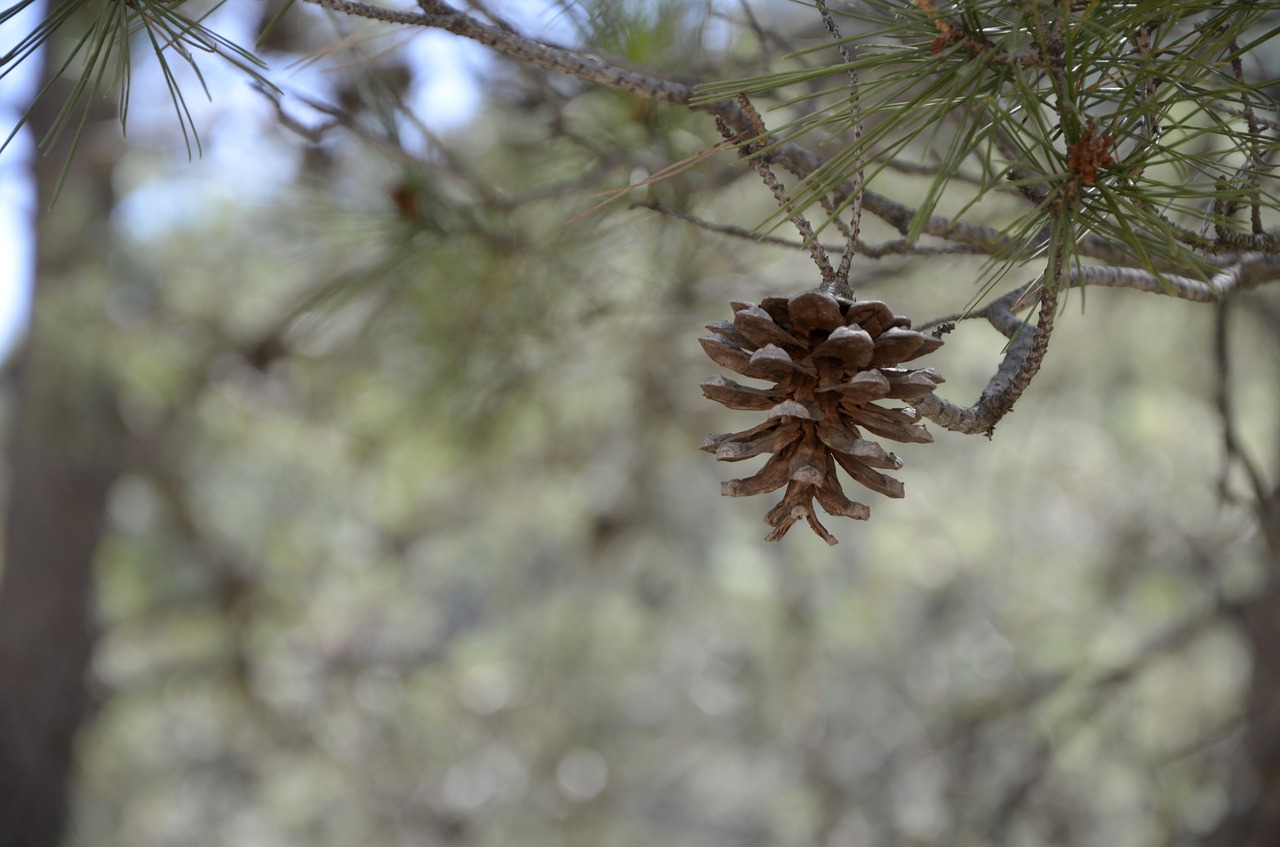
point(829, 360)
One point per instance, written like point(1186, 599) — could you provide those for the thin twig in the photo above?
point(722, 229)
point(855, 114)
point(613, 194)
point(1255, 136)
point(750, 148)
point(754, 23)
point(1233, 450)
point(802, 225)
point(1020, 365)
point(897, 247)
point(1236, 112)
point(313, 134)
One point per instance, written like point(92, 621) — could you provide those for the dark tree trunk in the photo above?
point(53, 525)
point(1261, 627)
point(1255, 819)
point(64, 452)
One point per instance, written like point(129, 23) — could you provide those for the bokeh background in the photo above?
point(405, 537)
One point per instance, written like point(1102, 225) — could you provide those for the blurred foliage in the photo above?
point(419, 548)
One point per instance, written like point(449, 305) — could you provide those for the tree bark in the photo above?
point(54, 522)
point(1259, 824)
point(1254, 819)
point(64, 452)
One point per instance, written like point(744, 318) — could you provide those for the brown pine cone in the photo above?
point(829, 359)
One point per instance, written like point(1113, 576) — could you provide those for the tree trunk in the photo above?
point(1261, 626)
point(1255, 819)
point(64, 452)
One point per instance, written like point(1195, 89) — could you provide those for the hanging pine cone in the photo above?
point(830, 359)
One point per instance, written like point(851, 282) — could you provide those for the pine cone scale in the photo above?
point(772, 362)
point(727, 332)
point(886, 425)
point(756, 324)
point(814, 311)
point(852, 347)
point(796, 409)
point(725, 353)
point(876, 481)
point(747, 398)
point(838, 437)
point(863, 388)
point(872, 315)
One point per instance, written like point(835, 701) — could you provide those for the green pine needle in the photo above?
point(1146, 95)
point(101, 60)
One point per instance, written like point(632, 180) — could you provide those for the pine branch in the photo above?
point(1244, 261)
point(438, 15)
point(796, 158)
point(1233, 449)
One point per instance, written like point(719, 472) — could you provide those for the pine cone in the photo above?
point(830, 359)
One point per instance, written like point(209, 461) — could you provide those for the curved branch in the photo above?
point(1020, 365)
point(1011, 377)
